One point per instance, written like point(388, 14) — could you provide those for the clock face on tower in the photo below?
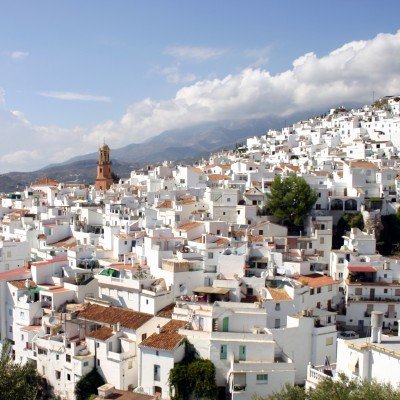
point(104, 178)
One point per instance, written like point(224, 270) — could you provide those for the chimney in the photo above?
point(376, 326)
point(158, 329)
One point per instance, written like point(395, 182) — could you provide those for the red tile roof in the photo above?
point(112, 315)
point(361, 268)
point(189, 226)
point(102, 333)
point(46, 181)
point(168, 339)
point(13, 274)
point(165, 204)
point(316, 280)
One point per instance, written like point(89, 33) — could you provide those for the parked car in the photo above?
point(348, 335)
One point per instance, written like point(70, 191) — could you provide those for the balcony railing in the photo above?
point(239, 388)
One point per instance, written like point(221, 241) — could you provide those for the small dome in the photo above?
point(104, 147)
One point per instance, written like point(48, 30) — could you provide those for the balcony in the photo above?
point(239, 388)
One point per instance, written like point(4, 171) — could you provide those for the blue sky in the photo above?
point(95, 68)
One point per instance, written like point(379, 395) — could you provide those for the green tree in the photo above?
point(289, 392)
point(19, 381)
point(339, 389)
point(344, 224)
point(291, 199)
point(88, 384)
point(193, 377)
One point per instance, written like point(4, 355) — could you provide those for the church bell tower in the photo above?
point(104, 178)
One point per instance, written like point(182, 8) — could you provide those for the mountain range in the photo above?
point(181, 145)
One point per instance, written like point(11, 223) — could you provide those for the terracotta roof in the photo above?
point(20, 284)
point(279, 294)
point(66, 243)
point(315, 280)
point(48, 262)
point(111, 315)
point(361, 268)
point(46, 181)
point(14, 274)
point(166, 312)
point(31, 328)
point(362, 164)
point(168, 339)
point(190, 225)
point(217, 177)
point(165, 204)
point(102, 333)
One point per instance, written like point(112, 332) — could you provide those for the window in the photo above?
point(319, 290)
point(329, 341)
point(321, 240)
point(10, 312)
point(86, 363)
point(58, 375)
point(329, 288)
point(210, 255)
point(262, 378)
point(156, 372)
point(110, 346)
point(277, 306)
point(98, 362)
point(68, 358)
point(242, 353)
point(68, 377)
point(57, 356)
point(277, 323)
point(311, 292)
point(358, 291)
point(385, 291)
point(228, 199)
point(157, 353)
point(97, 345)
point(144, 336)
point(223, 352)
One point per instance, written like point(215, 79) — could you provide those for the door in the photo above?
point(225, 324)
point(372, 294)
point(242, 353)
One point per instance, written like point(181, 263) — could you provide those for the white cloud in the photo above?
point(17, 54)
point(173, 74)
point(261, 56)
point(192, 53)
point(73, 96)
point(20, 157)
point(347, 74)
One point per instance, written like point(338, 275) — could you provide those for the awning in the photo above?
point(211, 290)
point(361, 268)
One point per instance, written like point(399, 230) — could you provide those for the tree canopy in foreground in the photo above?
point(19, 381)
point(341, 389)
point(291, 199)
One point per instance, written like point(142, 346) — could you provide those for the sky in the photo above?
point(75, 73)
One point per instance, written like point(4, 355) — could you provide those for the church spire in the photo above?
point(104, 178)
